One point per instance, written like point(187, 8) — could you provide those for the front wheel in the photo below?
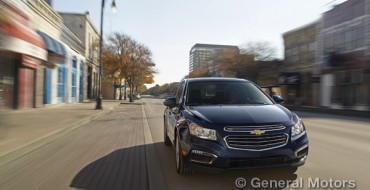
point(180, 166)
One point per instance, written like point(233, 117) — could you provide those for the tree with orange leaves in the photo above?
point(125, 58)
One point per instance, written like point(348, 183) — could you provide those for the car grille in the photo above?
point(256, 142)
point(256, 162)
point(251, 128)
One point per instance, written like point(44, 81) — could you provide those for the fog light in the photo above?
point(302, 152)
point(202, 157)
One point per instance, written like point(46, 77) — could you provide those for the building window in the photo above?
point(61, 81)
point(288, 55)
point(348, 40)
point(339, 41)
point(311, 51)
point(349, 88)
point(295, 55)
point(328, 43)
point(359, 37)
point(74, 77)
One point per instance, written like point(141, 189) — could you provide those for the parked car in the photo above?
point(228, 123)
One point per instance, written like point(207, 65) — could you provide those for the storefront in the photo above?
point(21, 51)
point(54, 66)
point(291, 84)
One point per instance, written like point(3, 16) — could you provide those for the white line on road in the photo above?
point(149, 107)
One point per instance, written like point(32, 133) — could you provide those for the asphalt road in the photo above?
point(113, 152)
point(339, 156)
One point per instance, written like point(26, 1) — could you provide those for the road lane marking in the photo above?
point(150, 108)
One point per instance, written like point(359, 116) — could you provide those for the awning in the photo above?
point(18, 38)
point(56, 50)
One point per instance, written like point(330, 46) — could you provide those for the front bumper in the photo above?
point(205, 154)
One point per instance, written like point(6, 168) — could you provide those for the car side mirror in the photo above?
point(277, 99)
point(170, 102)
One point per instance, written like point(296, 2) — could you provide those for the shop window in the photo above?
point(74, 77)
point(60, 81)
point(349, 89)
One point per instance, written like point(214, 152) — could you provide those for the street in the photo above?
point(113, 152)
point(339, 149)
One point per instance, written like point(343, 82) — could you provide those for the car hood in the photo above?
point(243, 114)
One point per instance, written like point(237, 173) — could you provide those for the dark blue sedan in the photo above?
point(228, 123)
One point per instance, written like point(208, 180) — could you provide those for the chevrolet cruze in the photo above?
point(229, 123)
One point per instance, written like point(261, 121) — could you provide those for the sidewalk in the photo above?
point(22, 131)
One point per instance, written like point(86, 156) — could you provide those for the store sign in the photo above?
point(9, 43)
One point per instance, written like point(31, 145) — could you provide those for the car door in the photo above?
point(173, 113)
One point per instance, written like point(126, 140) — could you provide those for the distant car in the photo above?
point(227, 123)
point(137, 96)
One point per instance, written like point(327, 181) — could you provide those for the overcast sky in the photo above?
point(171, 27)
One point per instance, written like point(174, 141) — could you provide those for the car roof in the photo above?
point(204, 79)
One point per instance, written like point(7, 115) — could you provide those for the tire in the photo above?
point(167, 140)
point(180, 166)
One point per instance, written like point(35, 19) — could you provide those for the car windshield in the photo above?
point(224, 92)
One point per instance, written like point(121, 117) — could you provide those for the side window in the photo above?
point(179, 91)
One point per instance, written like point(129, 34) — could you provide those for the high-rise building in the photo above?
point(204, 56)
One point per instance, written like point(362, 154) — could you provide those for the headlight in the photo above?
point(202, 132)
point(297, 129)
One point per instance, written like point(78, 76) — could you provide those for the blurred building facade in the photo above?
point(344, 56)
point(298, 75)
point(75, 62)
point(203, 56)
point(21, 51)
point(82, 26)
point(42, 61)
point(46, 22)
point(65, 65)
point(327, 62)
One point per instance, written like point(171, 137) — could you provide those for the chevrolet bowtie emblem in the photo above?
point(257, 132)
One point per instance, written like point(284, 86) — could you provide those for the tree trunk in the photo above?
point(131, 90)
point(120, 89)
point(125, 91)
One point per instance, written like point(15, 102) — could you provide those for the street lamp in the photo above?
point(99, 98)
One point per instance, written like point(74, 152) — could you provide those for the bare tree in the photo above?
point(245, 64)
point(262, 51)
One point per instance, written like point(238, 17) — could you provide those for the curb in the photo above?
point(155, 176)
point(20, 151)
